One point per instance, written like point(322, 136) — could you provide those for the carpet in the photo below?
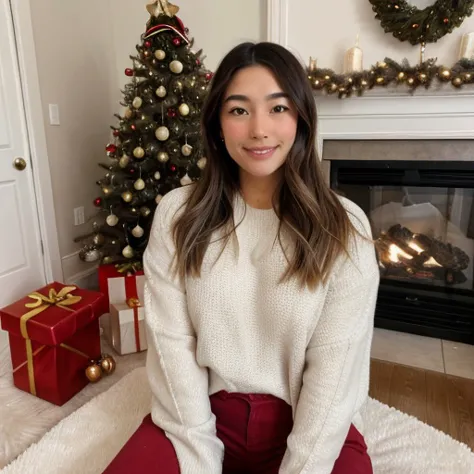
point(88, 439)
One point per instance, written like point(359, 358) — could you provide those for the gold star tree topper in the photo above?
point(159, 7)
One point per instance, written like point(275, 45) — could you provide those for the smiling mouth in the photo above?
point(261, 152)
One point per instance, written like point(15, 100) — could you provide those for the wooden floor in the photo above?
point(443, 401)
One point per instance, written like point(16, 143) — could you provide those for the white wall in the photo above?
point(325, 30)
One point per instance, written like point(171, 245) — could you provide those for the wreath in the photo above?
point(408, 23)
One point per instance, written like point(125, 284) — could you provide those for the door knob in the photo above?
point(19, 164)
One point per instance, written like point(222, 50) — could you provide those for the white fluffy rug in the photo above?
point(87, 440)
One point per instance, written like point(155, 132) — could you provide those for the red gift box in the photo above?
point(54, 334)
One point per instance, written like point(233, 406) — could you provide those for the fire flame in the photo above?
point(397, 255)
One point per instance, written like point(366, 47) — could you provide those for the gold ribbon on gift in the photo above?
point(61, 299)
point(135, 303)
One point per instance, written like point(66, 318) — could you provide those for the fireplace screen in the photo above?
point(424, 234)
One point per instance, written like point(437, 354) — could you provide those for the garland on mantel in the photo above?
point(389, 72)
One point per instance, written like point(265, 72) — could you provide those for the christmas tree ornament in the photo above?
point(107, 364)
point(116, 133)
point(160, 7)
point(93, 372)
point(177, 42)
point(127, 196)
point(158, 198)
point(112, 220)
point(89, 254)
point(106, 190)
point(163, 157)
point(139, 184)
point(133, 127)
point(161, 92)
point(147, 44)
point(445, 73)
point(173, 168)
point(146, 54)
point(133, 210)
point(209, 76)
point(124, 161)
point(111, 149)
point(137, 102)
point(98, 239)
point(129, 72)
point(157, 176)
point(145, 211)
point(176, 67)
point(160, 54)
point(186, 150)
point(137, 232)
point(162, 133)
point(107, 260)
point(139, 152)
point(172, 113)
point(202, 163)
point(185, 180)
point(184, 110)
point(128, 113)
point(128, 252)
point(98, 202)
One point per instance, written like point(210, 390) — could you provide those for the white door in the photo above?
point(21, 259)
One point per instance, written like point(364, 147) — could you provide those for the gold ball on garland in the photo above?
point(467, 76)
point(327, 78)
point(163, 157)
point(411, 80)
point(176, 67)
point(364, 83)
point(124, 161)
point(422, 77)
point(139, 184)
point(161, 91)
point(380, 80)
point(162, 133)
point(317, 83)
point(138, 152)
point(457, 82)
point(333, 87)
point(184, 110)
point(107, 364)
point(401, 76)
point(160, 54)
point(445, 73)
point(128, 252)
point(145, 211)
point(94, 373)
point(137, 102)
point(127, 196)
point(382, 64)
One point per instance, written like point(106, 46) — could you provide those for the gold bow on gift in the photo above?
point(133, 303)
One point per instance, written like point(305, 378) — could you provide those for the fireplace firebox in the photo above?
point(422, 218)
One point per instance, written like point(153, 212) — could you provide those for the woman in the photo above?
point(260, 294)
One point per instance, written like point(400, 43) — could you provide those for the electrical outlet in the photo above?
point(54, 114)
point(79, 215)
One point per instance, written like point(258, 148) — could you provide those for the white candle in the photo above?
point(467, 46)
point(313, 64)
point(353, 60)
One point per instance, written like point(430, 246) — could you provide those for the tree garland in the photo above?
point(408, 23)
point(389, 72)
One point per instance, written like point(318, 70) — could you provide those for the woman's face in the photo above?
point(258, 122)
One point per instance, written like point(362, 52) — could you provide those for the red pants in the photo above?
point(253, 428)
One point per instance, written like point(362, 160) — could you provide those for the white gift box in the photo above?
point(120, 329)
point(117, 288)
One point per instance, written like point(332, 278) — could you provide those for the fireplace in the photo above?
point(422, 218)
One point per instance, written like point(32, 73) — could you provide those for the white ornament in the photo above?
point(161, 91)
point(128, 113)
point(186, 150)
point(176, 66)
point(163, 157)
point(162, 133)
point(124, 161)
point(157, 175)
point(139, 184)
point(137, 102)
point(160, 54)
point(185, 180)
point(127, 252)
point(139, 152)
point(184, 109)
point(202, 163)
point(112, 220)
point(158, 198)
point(137, 232)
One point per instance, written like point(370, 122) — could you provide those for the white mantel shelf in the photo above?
point(385, 114)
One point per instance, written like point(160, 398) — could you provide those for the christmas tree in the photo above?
point(157, 144)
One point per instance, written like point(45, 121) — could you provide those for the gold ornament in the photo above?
point(98, 239)
point(106, 190)
point(162, 133)
point(364, 83)
point(128, 113)
point(128, 252)
point(107, 260)
point(467, 76)
point(202, 163)
point(157, 176)
point(176, 67)
point(333, 87)
point(137, 232)
point(410, 80)
point(139, 184)
point(161, 91)
point(160, 54)
point(139, 152)
point(163, 157)
point(137, 102)
point(401, 76)
point(159, 7)
point(445, 73)
point(107, 364)
point(145, 211)
point(380, 80)
point(184, 109)
point(124, 161)
point(186, 150)
point(382, 64)
point(112, 220)
point(127, 196)
point(422, 77)
point(457, 81)
point(94, 373)
point(158, 198)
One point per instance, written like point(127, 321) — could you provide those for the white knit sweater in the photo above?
point(238, 329)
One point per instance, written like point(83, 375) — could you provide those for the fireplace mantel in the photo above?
point(386, 114)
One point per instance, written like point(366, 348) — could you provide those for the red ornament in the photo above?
point(131, 170)
point(129, 72)
point(198, 62)
point(97, 202)
point(116, 133)
point(177, 41)
point(147, 44)
point(111, 148)
point(209, 76)
point(172, 113)
point(173, 168)
point(133, 127)
point(446, 21)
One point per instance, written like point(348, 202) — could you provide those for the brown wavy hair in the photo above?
point(309, 211)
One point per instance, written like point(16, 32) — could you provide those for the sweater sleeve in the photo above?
point(180, 391)
point(336, 375)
